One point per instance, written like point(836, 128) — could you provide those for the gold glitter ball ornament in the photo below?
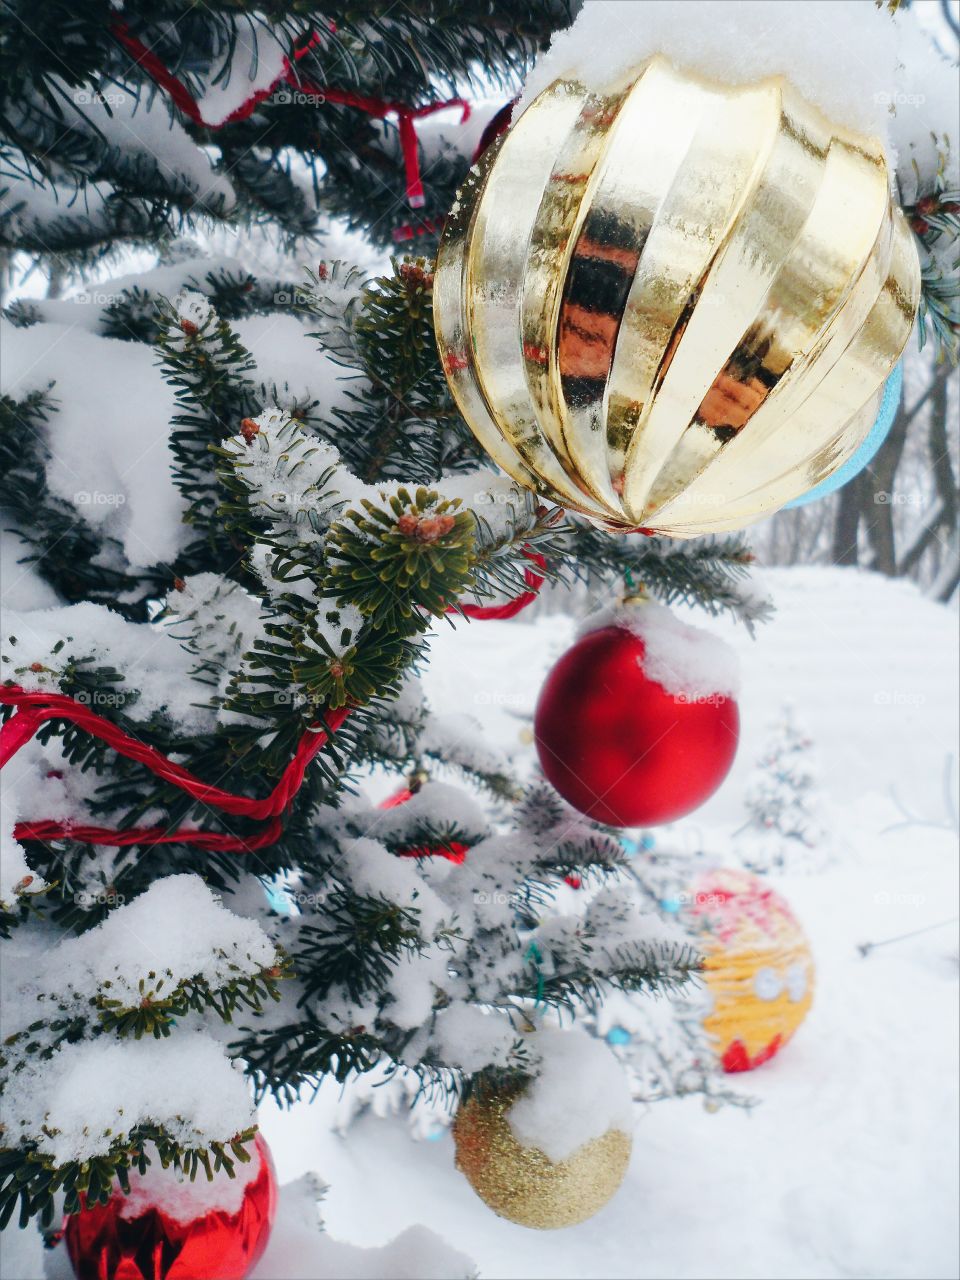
point(671, 304)
point(521, 1183)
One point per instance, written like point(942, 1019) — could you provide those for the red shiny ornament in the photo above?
point(618, 746)
point(153, 1246)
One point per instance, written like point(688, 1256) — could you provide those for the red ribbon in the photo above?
point(453, 852)
point(498, 123)
point(490, 612)
point(379, 108)
point(34, 709)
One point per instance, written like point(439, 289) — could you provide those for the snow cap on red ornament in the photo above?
point(688, 662)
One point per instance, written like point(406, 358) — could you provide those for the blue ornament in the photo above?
point(673, 905)
point(618, 1035)
point(278, 899)
point(856, 463)
point(647, 843)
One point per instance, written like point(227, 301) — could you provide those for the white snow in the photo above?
point(453, 738)
point(257, 63)
point(16, 876)
point(109, 438)
point(65, 1107)
point(842, 55)
point(21, 1253)
point(498, 501)
point(848, 1164)
point(470, 1038)
point(184, 1200)
point(193, 308)
point(437, 805)
point(298, 1251)
point(288, 358)
point(689, 662)
point(177, 930)
point(580, 1093)
point(146, 129)
point(150, 658)
point(372, 871)
point(924, 108)
point(21, 587)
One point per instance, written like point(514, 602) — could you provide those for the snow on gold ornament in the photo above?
point(523, 1184)
point(758, 967)
point(671, 304)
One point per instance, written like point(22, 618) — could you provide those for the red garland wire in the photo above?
point(379, 108)
point(492, 612)
point(35, 708)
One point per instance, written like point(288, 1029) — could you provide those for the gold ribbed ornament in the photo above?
point(524, 1185)
point(672, 304)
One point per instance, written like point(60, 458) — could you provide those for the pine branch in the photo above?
point(658, 968)
point(711, 573)
point(77, 560)
point(208, 367)
point(935, 219)
point(32, 1179)
point(420, 561)
point(353, 945)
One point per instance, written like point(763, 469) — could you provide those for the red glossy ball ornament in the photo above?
point(620, 746)
point(164, 1244)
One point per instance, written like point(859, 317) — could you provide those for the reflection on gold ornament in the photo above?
point(672, 304)
point(757, 966)
point(521, 1183)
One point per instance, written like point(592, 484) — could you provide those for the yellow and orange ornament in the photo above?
point(758, 966)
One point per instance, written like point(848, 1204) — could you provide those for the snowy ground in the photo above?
point(849, 1165)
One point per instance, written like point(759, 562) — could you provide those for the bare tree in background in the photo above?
point(879, 514)
point(901, 515)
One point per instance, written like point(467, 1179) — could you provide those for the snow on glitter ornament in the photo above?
point(669, 297)
point(757, 966)
point(552, 1151)
point(638, 724)
point(169, 1228)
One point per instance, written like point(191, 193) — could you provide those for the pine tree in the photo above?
point(235, 571)
point(237, 564)
point(784, 831)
